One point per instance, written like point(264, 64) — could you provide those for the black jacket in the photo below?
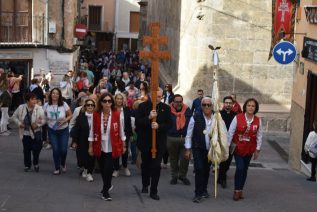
point(80, 132)
point(127, 122)
point(144, 130)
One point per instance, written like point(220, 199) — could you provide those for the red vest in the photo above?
point(244, 138)
point(116, 142)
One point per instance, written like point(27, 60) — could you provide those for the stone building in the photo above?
point(243, 30)
point(304, 97)
point(36, 37)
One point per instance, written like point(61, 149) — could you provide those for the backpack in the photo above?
point(80, 85)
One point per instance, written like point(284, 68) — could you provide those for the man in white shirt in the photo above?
point(197, 141)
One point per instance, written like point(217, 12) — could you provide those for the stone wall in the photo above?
point(242, 29)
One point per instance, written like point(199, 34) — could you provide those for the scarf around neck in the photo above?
point(180, 116)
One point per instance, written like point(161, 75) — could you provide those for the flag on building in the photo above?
point(283, 21)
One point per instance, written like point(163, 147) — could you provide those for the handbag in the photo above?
point(38, 134)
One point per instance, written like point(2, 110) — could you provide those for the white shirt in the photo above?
point(311, 139)
point(189, 135)
point(105, 134)
point(56, 113)
point(233, 127)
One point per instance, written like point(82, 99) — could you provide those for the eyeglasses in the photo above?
point(178, 102)
point(106, 101)
point(90, 105)
point(206, 105)
point(228, 103)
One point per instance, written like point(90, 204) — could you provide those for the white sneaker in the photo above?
point(48, 146)
point(127, 172)
point(84, 173)
point(89, 178)
point(115, 174)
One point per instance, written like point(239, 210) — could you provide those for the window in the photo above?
point(134, 21)
point(94, 20)
point(15, 21)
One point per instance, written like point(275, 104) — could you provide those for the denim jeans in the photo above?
point(202, 169)
point(242, 165)
point(59, 142)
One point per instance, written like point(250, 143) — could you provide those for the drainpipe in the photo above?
point(63, 30)
point(46, 23)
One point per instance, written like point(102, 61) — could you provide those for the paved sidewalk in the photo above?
point(271, 186)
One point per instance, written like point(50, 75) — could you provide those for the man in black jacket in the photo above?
point(151, 167)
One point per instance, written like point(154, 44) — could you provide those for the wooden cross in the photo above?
point(154, 56)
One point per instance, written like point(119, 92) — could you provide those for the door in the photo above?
point(311, 105)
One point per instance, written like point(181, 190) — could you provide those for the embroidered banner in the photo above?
point(283, 21)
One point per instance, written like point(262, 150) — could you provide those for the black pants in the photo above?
point(106, 168)
point(313, 166)
point(83, 157)
point(16, 101)
point(202, 170)
point(31, 146)
point(165, 157)
point(151, 170)
point(124, 158)
point(223, 168)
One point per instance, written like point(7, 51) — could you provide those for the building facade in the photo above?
point(304, 97)
point(37, 37)
point(99, 15)
point(127, 25)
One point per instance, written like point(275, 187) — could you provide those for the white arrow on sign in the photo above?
point(288, 52)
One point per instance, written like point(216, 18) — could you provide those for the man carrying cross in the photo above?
point(151, 167)
point(153, 117)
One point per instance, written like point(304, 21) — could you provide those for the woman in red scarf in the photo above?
point(106, 139)
point(246, 133)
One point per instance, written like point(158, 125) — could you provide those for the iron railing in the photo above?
point(21, 27)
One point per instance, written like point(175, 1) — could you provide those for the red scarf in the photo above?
point(116, 142)
point(180, 116)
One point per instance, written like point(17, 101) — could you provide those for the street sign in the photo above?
point(284, 52)
point(80, 30)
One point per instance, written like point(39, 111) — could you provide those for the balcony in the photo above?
point(20, 28)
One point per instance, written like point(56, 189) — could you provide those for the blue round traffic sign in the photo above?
point(284, 52)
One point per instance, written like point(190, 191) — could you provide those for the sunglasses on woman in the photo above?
point(106, 101)
point(90, 105)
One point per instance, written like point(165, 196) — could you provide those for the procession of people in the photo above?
point(106, 109)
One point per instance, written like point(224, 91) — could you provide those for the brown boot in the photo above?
point(241, 195)
point(236, 195)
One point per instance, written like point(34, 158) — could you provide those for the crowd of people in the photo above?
point(107, 112)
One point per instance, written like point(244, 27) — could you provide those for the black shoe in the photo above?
point(197, 199)
point(36, 168)
point(205, 195)
point(184, 180)
point(145, 190)
point(27, 169)
point(313, 179)
point(173, 181)
point(155, 196)
point(106, 197)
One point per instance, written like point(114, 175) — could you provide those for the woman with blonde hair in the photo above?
point(125, 114)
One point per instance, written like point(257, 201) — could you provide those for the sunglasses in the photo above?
point(90, 105)
point(178, 102)
point(106, 101)
point(206, 105)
